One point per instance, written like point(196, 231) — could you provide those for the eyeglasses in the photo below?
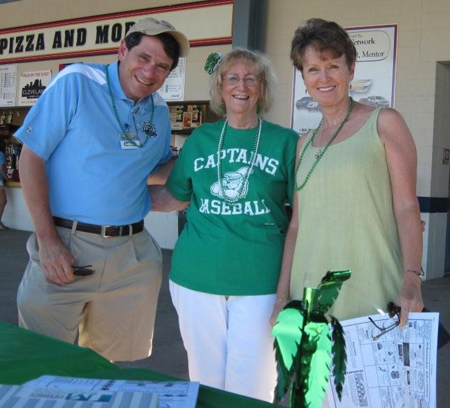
point(233, 80)
point(82, 270)
point(393, 311)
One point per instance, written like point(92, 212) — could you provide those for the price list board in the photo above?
point(8, 84)
point(173, 87)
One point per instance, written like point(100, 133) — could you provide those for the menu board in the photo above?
point(173, 87)
point(8, 82)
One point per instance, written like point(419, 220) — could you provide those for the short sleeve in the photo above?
point(48, 120)
point(180, 182)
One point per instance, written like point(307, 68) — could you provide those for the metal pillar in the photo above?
point(249, 19)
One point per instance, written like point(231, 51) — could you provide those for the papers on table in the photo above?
point(396, 370)
point(21, 396)
point(172, 394)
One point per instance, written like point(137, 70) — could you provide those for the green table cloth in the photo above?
point(25, 355)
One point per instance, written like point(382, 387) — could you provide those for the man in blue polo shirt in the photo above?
point(90, 143)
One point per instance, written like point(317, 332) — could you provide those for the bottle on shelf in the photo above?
point(9, 118)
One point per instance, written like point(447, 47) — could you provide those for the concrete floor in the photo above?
point(169, 356)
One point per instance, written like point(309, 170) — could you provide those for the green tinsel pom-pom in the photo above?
point(212, 62)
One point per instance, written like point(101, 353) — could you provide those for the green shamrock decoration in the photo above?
point(212, 62)
point(304, 348)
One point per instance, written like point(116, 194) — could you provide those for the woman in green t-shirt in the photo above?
point(236, 175)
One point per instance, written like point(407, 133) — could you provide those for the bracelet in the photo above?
point(282, 300)
point(417, 273)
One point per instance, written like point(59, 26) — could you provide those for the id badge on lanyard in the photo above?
point(130, 141)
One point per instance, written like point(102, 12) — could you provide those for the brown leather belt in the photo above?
point(105, 231)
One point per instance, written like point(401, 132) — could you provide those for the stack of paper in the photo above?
point(172, 394)
point(18, 396)
point(389, 368)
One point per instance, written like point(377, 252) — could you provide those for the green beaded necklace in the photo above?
point(116, 115)
point(322, 152)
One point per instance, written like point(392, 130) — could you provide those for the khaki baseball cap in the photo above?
point(152, 26)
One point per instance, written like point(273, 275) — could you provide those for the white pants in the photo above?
point(228, 341)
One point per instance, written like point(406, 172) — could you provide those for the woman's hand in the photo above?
point(277, 308)
point(410, 296)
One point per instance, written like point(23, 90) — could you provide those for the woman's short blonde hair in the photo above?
point(263, 70)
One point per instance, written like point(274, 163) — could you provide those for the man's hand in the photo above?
point(56, 260)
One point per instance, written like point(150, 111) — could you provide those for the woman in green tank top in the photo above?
point(355, 205)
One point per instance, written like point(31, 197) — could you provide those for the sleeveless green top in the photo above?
point(346, 221)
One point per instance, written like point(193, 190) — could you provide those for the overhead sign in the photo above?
point(102, 34)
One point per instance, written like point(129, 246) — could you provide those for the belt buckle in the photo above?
point(103, 231)
point(120, 234)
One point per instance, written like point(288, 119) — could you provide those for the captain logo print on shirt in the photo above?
point(233, 183)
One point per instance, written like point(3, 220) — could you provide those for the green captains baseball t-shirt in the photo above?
point(233, 248)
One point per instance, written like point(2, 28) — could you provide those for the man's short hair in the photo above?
point(170, 45)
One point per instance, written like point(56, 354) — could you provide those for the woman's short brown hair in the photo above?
point(324, 36)
point(263, 70)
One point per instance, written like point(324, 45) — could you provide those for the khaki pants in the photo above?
point(113, 310)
